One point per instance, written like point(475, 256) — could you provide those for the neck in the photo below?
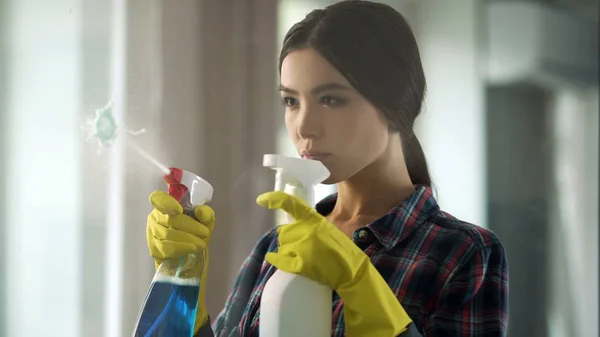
point(375, 190)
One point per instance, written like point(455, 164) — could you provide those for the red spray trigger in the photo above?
point(185, 186)
point(175, 188)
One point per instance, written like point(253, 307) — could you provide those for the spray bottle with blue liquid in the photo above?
point(172, 301)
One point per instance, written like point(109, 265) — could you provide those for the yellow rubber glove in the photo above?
point(313, 247)
point(172, 234)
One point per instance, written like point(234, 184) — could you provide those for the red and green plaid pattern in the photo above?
point(450, 276)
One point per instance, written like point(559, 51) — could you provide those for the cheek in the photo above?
point(291, 128)
point(364, 133)
point(359, 138)
point(369, 138)
point(375, 137)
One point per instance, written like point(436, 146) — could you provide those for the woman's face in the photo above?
point(327, 119)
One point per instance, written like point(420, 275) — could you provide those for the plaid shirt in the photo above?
point(451, 277)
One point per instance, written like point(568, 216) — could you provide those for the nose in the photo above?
point(309, 124)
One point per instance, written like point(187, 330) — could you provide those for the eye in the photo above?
point(289, 102)
point(331, 101)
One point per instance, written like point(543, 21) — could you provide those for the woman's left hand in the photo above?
point(313, 247)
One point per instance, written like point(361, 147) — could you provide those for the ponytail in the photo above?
point(416, 163)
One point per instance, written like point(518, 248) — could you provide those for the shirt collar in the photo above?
point(400, 221)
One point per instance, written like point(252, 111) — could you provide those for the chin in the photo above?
point(334, 178)
point(330, 181)
point(337, 172)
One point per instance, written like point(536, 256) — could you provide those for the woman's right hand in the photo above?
point(172, 234)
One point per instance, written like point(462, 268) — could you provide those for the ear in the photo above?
point(392, 129)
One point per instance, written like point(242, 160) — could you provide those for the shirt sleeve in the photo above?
point(228, 322)
point(473, 302)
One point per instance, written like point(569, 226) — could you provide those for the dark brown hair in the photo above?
point(373, 46)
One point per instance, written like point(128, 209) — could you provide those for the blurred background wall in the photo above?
point(510, 129)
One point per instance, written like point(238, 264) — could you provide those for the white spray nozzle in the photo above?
point(201, 191)
point(297, 171)
point(296, 176)
point(188, 188)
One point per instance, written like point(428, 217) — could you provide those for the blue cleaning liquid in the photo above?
point(170, 308)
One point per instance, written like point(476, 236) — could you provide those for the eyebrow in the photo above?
point(316, 90)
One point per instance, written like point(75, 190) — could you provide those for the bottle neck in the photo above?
point(279, 180)
point(305, 194)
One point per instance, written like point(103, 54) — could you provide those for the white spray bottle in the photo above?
point(292, 305)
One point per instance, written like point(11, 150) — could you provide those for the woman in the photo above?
point(352, 85)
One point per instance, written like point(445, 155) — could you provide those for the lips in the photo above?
point(313, 155)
